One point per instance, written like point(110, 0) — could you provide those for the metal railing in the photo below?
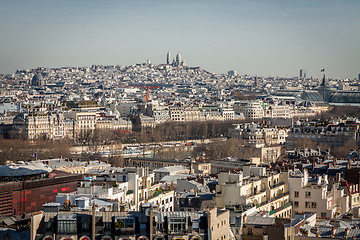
point(280, 208)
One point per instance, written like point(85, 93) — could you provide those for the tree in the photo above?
point(341, 151)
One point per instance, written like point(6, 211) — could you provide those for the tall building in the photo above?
point(168, 58)
point(359, 77)
point(301, 73)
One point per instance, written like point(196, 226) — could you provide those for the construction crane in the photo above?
point(146, 97)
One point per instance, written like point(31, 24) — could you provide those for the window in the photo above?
point(313, 204)
point(177, 224)
point(85, 226)
point(307, 204)
point(48, 227)
point(296, 194)
point(323, 215)
point(250, 231)
point(307, 194)
point(67, 227)
point(296, 204)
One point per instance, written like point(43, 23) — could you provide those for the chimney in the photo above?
point(333, 232)
point(244, 218)
point(338, 177)
point(347, 232)
point(314, 230)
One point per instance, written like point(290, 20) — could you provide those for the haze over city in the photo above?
point(180, 120)
point(265, 38)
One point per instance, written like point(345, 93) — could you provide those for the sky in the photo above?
point(257, 37)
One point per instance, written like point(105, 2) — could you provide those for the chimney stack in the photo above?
point(347, 232)
point(333, 232)
point(338, 177)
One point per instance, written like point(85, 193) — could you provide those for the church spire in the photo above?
point(168, 58)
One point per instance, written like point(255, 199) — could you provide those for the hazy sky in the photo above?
point(259, 37)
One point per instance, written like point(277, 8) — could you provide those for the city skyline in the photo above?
point(251, 37)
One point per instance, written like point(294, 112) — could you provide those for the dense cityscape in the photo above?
point(172, 151)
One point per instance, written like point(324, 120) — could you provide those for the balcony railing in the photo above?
point(277, 185)
point(272, 199)
point(280, 208)
point(257, 192)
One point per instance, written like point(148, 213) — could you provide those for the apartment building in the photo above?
point(278, 111)
point(147, 223)
point(313, 195)
point(176, 114)
point(227, 113)
point(269, 193)
point(258, 136)
point(84, 122)
point(251, 109)
point(191, 114)
point(42, 124)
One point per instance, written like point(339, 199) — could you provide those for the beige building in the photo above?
point(279, 111)
point(258, 136)
point(315, 196)
point(269, 193)
point(41, 124)
point(176, 114)
point(84, 122)
point(227, 113)
point(250, 109)
point(219, 225)
point(191, 114)
point(104, 124)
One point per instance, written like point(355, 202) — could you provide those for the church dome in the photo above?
point(38, 79)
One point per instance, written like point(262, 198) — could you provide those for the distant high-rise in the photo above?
point(359, 77)
point(305, 75)
point(301, 73)
point(168, 58)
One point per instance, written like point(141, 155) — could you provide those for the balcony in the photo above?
point(277, 185)
point(280, 208)
point(273, 199)
point(257, 192)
